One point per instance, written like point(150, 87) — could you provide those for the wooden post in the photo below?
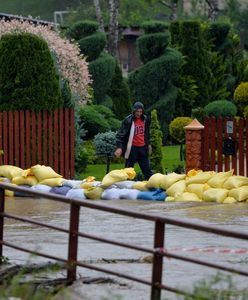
point(2, 200)
point(194, 145)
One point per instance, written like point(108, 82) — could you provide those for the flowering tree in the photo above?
point(72, 65)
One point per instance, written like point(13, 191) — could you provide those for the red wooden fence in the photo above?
point(29, 138)
point(215, 132)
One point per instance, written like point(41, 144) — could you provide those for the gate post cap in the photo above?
point(194, 125)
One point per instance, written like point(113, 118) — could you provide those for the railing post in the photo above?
point(2, 200)
point(157, 268)
point(73, 242)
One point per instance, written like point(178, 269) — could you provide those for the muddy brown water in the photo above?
point(175, 273)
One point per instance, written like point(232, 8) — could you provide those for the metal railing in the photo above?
point(158, 251)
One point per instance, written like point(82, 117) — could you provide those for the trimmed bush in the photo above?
point(92, 45)
point(175, 33)
point(81, 29)
point(105, 143)
point(218, 32)
point(108, 115)
point(28, 78)
point(154, 26)
point(156, 142)
point(220, 108)
point(241, 96)
point(102, 71)
point(120, 94)
point(151, 46)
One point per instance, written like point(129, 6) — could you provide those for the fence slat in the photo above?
point(39, 137)
point(22, 143)
point(34, 136)
point(51, 148)
point(66, 145)
point(213, 144)
point(1, 137)
point(11, 138)
point(246, 147)
point(5, 137)
point(227, 158)
point(61, 143)
point(28, 140)
point(16, 139)
point(219, 141)
point(45, 142)
point(56, 132)
point(206, 145)
point(234, 136)
point(72, 142)
point(241, 146)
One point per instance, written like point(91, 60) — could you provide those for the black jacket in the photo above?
point(124, 131)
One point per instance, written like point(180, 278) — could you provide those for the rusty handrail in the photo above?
point(158, 250)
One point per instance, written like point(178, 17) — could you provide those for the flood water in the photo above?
point(181, 275)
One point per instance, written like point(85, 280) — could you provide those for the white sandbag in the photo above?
point(77, 194)
point(41, 188)
point(129, 194)
point(126, 184)
point(111, 193)
point(75, 184)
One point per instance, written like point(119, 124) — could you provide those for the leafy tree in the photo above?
point(177, 131)
point(156, 142)
point(241, 96)
point(28, 78)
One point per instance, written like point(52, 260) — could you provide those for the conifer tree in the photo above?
point(156, 142)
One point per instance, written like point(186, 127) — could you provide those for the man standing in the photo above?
point(133, 140)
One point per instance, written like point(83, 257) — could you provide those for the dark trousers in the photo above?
point(140, 155)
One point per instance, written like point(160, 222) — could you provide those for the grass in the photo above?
point(171, 159)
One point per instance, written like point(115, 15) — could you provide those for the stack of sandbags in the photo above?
point(9, 172)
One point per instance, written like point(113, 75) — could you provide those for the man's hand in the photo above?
point(118, 152)
point(150, 149)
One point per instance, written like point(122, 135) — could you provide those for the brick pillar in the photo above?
point(194, 145)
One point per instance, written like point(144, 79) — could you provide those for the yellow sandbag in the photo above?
point(218, 179)
point(201, 177)
point(86, 185)
point(169, 199)
point(44, 172)
point(186, 196)
point(229, 200)
point(8, 193)
point(10, 171)
point(239, 194)
point(130, 173)
point(168, 180)
point(53, 181)
point(193, 172)
point(114, 176)
point(90, 179)
point(235, 182)
point(140, 185)
point(176, 189)
point(93, 193)
point(27, 172)
point(215, 195)
point(196, 188)
point(155, 181)
point(29, 180)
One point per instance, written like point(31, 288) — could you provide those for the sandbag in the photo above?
point(8, 193)
point(186, 196)
point(27, 172)
point(218, 179)
point(229, 200)
point(154, 194)
point(176, 189)
point(193, 172)
point(155, 181)
point(28, 180)
point(235, 182)
point(140, 185)
point(197, 188)
point(53, 181)
point(77, 194)
point(130, 173)
point(169, 199)
point(239, 194)
point(10, 171)
point(114, 176)
point(201, 177)
point(41, 188)
point(75, 184)
point(111, 193)
point(215, 195)
point(168, 180)
point(60, 190)
point(127, 184)
point(129, 194)
point(44, 172)
point(93, 193)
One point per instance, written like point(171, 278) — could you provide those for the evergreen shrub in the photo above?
point(151, 46)
point(28, 78)
point(241, 96)
point(154, 26)
point(218, 32)
point(92, 45)
point(81, 29)
point(220, 108)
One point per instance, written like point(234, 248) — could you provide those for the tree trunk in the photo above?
point(99, 15)
point(113, 27)
point(213, 9)
point(174, 4)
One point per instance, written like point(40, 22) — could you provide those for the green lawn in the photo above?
point(170, 159)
